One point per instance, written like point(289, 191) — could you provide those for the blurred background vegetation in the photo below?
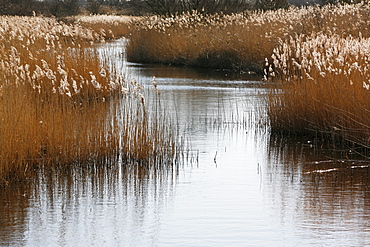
point(61, 8)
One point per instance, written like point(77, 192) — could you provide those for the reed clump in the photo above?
point(61, 105)
point(324, 88)
point(321, 80)
point(238, 41)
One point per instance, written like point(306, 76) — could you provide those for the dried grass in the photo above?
point(324, 89)
point(110, 26)
point(238, 41)
point(60, 105)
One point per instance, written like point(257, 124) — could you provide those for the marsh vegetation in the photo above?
point(61, 105)
point(315, 59)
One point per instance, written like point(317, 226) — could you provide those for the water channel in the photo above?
point(241, 186)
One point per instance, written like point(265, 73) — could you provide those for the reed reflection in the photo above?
point(13, 205)
point(112, 203)
point(318, 191)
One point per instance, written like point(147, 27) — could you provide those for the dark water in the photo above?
point(243, 187)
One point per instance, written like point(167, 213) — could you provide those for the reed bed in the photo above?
point(238, 41)
point(110, 26)
point(324, 89)
point(322, 80)
point(61, 105)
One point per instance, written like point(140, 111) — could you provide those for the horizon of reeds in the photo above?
point(238, 41)
point(60, 105)
point(109, 26)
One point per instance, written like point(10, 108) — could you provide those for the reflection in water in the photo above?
point(327, 200)
point(244, 188)
point(178, 72)
point(80, 206)
point(13, 208)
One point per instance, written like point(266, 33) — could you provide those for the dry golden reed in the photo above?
point(325, 87)
point(60, 105)
point(239, 41)
point(110, 26)
point(324, 77)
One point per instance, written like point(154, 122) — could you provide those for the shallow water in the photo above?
point(240, 187)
